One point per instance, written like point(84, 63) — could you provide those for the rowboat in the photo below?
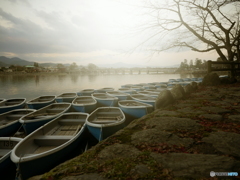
point(127, 90)
point(7, 167)
point(105, 121)
point(41, 116)
point(145, 99)
point(66, 97)
point(84, 104)
point(104, 90)
point(51, 144)
point(40, 102)
point(120, 95)
point(134, 109)
point(9, 121)
point(127, 86)
point(85, 92)
point(149, 93)
point(137, 88)
point(11, 104)
point(104, 99)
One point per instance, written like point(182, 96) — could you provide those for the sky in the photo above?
point(82, 31)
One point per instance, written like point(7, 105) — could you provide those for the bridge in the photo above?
point(131, 71)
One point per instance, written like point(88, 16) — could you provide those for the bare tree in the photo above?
point(201, 25)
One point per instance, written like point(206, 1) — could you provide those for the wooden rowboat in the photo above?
point(105, 121)
point(85, 104)
point(7, 167)
point(41, 116)
point(104, 99)
point(144, 98)
point(53, 143)
point(11, 104)
point(41, 101)
point(9, 121)
point(66, 97)
point(134, 109)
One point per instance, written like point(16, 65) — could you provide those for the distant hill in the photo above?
point(4, 61)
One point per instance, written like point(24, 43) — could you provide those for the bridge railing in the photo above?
point(232, 67)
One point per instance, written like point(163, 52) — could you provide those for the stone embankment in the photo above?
point(194, 131)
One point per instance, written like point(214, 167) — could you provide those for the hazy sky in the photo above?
point(81, 31)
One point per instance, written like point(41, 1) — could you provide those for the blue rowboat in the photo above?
point(11, 104)
point(187, 79)
point(85, 92)
point(127, 90)
point(104, 90)
point(105, 121)
point(7, 167)
point(149, 93)
point(149, 87)
point(137, 88)
point(9, 121)
point(144, 99)
point(134, 109)
point(104, 99)
point(66, 97)
point(34, 120)
point(120, 95)
point(161, 86)
point(41, 101)
point(53, 143)
point(86, 104)
point(127, 86)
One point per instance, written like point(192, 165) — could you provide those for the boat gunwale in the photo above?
point(123, 119)
point(82, 104)
point(19, 104)
point(49, 101)
point(21, 120)
point(17, 159)
point(145, 105)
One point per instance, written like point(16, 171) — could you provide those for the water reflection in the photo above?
point(31, 86)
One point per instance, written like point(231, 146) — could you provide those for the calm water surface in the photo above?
point(31, 86)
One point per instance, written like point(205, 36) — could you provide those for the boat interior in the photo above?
point(11, 102)
point(55, 134)
point(106, 117)
point(7, 118)
point(84, 100)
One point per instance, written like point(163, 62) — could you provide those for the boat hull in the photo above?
point(44, 164)
point(101, 133)
point(84, 108)
point(21, 105)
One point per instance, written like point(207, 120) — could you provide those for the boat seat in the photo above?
point(65, 130)
point(51, 140)
point(15, 116)
point(70, 120)
point(103, 121)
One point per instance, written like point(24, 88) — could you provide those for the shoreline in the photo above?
point(200, 131)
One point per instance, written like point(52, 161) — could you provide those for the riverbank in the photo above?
point(187, 139)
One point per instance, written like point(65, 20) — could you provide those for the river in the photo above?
point(31, 86)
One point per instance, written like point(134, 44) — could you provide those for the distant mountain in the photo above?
point(14, 61)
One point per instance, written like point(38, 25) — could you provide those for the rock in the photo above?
point(211, 79)
point(195, 165)
point(188, 89)
point(164, 99)
point(216, 110)
point(234, 118)
point(91, 176)
point(159, 113)
point(190, 111)
point(225, 142)
point(194, 86)
point(154, 136)
point(213, 117)
point(140, 169)
point(173, 123)
point(178, 92)
point(118, 151)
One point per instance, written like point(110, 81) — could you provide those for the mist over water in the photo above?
point(31, 86)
